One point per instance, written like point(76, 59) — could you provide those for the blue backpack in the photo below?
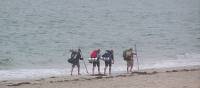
point(107, 56)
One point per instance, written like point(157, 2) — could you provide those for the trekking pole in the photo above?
point(136, 56)
point(85, 64)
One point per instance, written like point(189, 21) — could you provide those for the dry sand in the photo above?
point(185, 77)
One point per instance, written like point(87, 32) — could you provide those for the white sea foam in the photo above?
point(16, 74)
point(181, 60)
point(30, 73)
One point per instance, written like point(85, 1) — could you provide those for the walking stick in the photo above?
point(85, 64)
point(136, 56)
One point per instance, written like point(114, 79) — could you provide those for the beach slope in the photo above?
point(170, 78)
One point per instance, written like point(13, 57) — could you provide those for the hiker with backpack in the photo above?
point(95, 60)
point(74, 59)
point(108, 57)
point(128, 57)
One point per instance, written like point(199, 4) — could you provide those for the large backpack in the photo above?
point(93, 54)
point(127, 54)
point(93, 57)
point(73, 57)
point(107, 56)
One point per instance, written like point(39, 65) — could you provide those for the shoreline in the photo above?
point(87, 78)
point(24, 74)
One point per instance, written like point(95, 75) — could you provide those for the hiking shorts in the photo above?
point(129, 62)
point(96, 63)
point(108, 63)
point(76, 64)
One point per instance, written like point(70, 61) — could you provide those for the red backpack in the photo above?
point(93, 54)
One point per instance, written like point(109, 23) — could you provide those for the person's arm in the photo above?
point(98, 56)
point(113, 61)
point(80, 56)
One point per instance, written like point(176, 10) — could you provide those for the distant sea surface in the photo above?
point(36, 35)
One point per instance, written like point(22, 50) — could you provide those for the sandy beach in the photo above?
point(184, 77)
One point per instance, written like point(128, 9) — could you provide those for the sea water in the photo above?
point(36, 35)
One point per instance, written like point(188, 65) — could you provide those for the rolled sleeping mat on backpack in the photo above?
point(105, 58)
point(71, 60)
point(92, 60)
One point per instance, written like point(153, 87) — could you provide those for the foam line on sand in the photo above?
point(66, 80)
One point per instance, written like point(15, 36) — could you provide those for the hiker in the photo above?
point(108, 57)
point(128, 57)
point(74, 60)
point(95, 60)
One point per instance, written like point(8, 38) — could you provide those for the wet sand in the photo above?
point(184, 77)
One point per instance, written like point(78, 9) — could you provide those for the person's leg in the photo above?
point(105, 69)
point(131, 65)
point(98, 64)
point(128, 66)
point(106, 65)
point(94, 65)
point(72, 68)
point(127, 69)
point(110, 65)
point(78, 65)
